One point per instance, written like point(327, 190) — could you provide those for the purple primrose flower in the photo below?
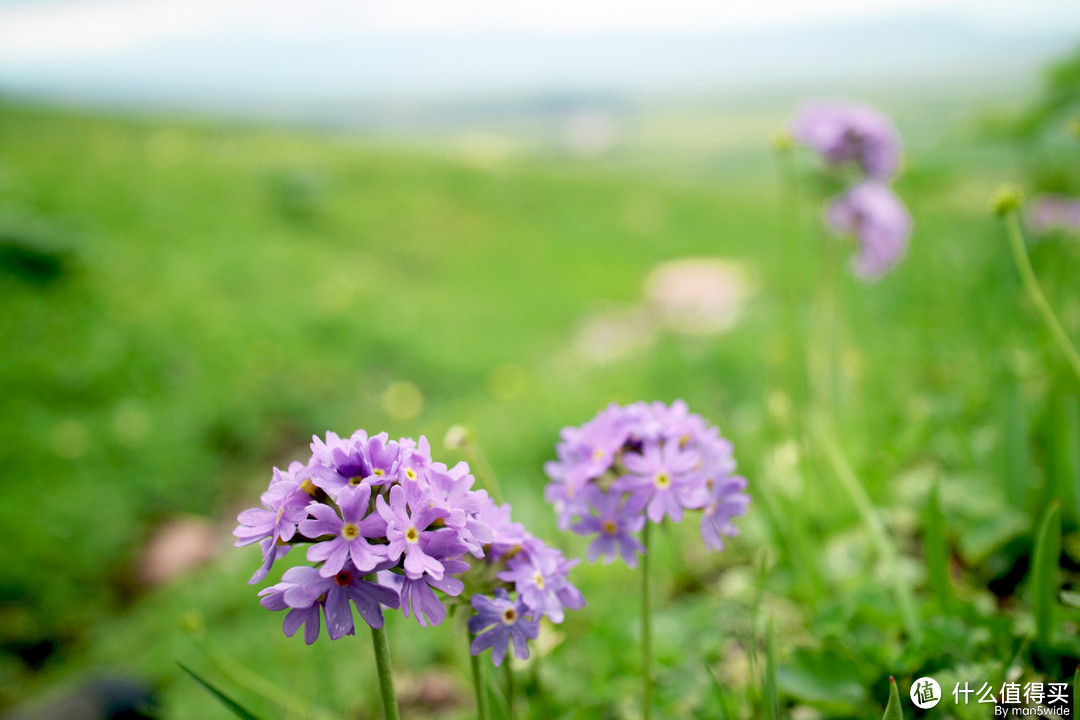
point(388, 526)
point(614, 522)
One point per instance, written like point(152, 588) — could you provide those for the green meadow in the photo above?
point(185, 302)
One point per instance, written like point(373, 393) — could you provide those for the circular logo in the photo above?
point(925, 692)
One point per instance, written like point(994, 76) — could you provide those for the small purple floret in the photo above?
point(497, 622)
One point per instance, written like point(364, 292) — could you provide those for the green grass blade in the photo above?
point(892, 710)
point(772, 693)
point(1044, 574)
point(1063, 471)
point(937, 550)
point(224, 699)
point(721, 695)
point(1014, 458)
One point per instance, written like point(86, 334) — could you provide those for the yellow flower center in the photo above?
point(663, 480)
point(539, 580)
point(349, 531)
point(509, 616)
point(410, 473)
point(411, 535)
point(378, 472)
point(355, 480)
point(610, 527)
point(598, 454)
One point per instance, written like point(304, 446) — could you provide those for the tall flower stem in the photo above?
point(478, 687)
point(509, 672)
point(1031, 284)
point(386, 676)
point(646, 630)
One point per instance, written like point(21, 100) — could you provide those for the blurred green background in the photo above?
point(186, 301)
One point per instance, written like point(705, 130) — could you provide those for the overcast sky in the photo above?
point(379, 45)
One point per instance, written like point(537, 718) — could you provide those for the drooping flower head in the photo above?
point(643, 462)
point(879, 222)
point(845, 132)
point(388, 526)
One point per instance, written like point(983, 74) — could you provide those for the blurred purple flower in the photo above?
point(613, 523)
point(845, 132)
point(662, 479)
point(726, 502)
point(879, 222)
point(1053, 212)
point(540, 575)
point(499, 620)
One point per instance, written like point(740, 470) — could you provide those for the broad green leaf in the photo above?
point(224, 699)
point(892, 710)
point(1044, 574)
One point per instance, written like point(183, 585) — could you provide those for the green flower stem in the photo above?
point(1031, 284)
point(509, 672)
point(386, 675)
point(646, 630)
point(478, 685)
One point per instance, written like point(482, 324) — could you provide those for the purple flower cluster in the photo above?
point(387, 526)
point(643, 462)
point(844, 133)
